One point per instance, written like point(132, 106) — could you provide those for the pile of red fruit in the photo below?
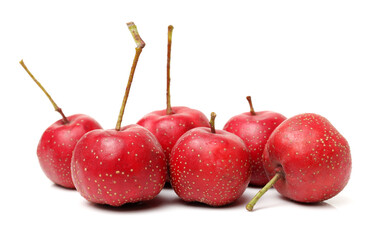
point(304, 157)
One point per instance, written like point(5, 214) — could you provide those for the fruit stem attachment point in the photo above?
point(212, 122)
point(250, 105)
point(138, 50)
point(254, 200)
point(58, 109)
point(169, 108)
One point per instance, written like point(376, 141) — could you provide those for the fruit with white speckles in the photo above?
point(57, 144)
point(58, 141)
point(255, 128)
point(117, 167)
point(121, 165)
point(169, 128)
point(307, 160)
point(210, 166)
point(170, 124)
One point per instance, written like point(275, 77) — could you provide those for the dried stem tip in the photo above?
point(170, 29)
point(134, 31)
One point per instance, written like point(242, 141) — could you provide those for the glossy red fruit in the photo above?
point(210, 166)
point(255, 128)
point(117, 167)
point(169, 128)
point(170, 124)
point(307, 159)
point(58, 141)
point(120, 166)
point(57, 144)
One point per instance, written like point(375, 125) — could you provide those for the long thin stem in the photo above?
point(169, 108)
point(138, 50)
point(254, 200)
point(58, 109)
point(250, 105)
point(212, 122)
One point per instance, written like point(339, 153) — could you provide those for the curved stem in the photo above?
point(169, 108)
point(250, 105)
point(212, 122)
point(134, 32)
point(138, 50)
point(254, 200)
point(58, 109)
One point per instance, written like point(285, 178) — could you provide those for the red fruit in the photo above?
point(255, 128)
point(169, 128)
point(170, 124)
point(120, 166)
point(57, 144)
point(307, 159)
point(210, 166)
point(117, 167)
point(58, 141)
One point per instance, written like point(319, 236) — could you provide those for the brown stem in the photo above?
point(250, 105)
point(254, 200)
point(138, 50)
point(58, 109)
point(212, 122)
point(169, 108)
point(64, 119)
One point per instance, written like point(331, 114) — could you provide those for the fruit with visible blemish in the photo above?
point(121, 165)
point(170, 124)
point(307, 160)
point(55, 147)
point(255, 128)
point(210, 166)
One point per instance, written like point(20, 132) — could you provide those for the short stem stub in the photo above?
point(138, 50)
point(58, 109)
point(250, 105)
point(254, 200)
point(64, 118)
point(169, 108)
point(212, 122)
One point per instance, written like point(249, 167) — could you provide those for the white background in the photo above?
point(290, 56)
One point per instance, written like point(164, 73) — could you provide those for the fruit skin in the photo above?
point(57, 143)
point(255, 130)
point(313, 157)
point(169, 128)
point(117, 167)
point(212, 168)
